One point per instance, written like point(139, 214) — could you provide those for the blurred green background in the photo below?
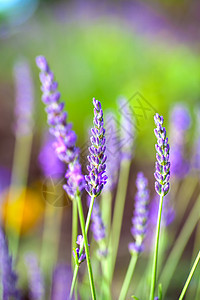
point(104, 50)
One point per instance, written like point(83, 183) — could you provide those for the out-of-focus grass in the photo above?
point(102, 56)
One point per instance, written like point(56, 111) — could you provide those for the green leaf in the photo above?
point(160, 291)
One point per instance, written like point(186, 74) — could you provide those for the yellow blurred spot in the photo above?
point(22, 209)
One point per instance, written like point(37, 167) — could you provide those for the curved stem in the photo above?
point(128, 277)
point(189, 277)
point(155, 260)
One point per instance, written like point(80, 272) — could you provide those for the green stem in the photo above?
point(155, 260)
point(190, 276)
point(118, 216)
point(74, 229)
point(179, 246)
point(128, 277)
point(84, 230)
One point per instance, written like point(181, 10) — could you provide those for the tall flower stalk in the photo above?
point(23, 129)
point(162, 175)
point(138, 230)
point(96, 179)
point(65, 147)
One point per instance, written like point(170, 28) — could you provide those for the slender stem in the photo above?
point(118, 216)
point(83, 229)
point(82, 246)
point(190, 276)
point(74, 228)
point(176, 252)
point(155, 260)
point(128, 277)
point(197, 297)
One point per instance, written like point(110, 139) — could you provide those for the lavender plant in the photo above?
point(36, 282)
point(8, 277)
point(162, 175)
point(138, 230)
point(66, 150)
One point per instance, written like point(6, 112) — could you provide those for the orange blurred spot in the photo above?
point(22, 209)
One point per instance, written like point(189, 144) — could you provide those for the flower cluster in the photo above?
point(8, 278)
point(65, 145)
point(139, 219)
point(97, 158)
point(36, 283)
point(79, 258)
point(162, 173)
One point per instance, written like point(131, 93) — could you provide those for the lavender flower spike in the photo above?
point(162, 173)
point(97, 158)
point(65, 146)
point(8, 278)
point(66, 137)
point(36, 283)
point(62, 276)
point(139, 220)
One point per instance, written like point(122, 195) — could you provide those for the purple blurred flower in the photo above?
point(65, 145)
point(162, 173)
point(168, 212)
point(36, 282)
point(97, 225)
point(180, 123)
point(61, 282)
point(139, 219)
point(24, 98)
point(97, 158)
point(127, 129)
point(48, 160)
point(8, 278)
point(112, 151)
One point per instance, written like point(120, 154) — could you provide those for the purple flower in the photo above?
point(62, 278)
point(8, 278)
point(112, 151)
point(66, 138)
point(76, 252)
point(139, 219)
point(65, 145)
point(24, 98)
point(180, 123)
point(49, 162)
point(127, 129)
point(97, 158)
point(36, 282)
point(162, 173)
